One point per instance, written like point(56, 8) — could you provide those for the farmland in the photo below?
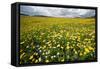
point(49, 39)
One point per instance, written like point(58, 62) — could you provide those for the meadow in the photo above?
point(52, 39)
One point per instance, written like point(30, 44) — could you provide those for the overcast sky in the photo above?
point(56, 12)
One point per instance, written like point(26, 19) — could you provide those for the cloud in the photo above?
point(56, 12)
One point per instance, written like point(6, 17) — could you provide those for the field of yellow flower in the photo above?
point(48, 39)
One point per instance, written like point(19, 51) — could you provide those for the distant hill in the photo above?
point(41, 16)
point(24, 14)
point(57, 17)
point(36, 15)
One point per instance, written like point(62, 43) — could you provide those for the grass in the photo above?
point(48, 39)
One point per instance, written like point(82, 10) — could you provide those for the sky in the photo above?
point(56, 12)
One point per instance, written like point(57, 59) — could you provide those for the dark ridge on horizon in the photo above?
point(54, 17)
point(24, 14)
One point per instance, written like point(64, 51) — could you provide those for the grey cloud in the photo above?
point(56, 12)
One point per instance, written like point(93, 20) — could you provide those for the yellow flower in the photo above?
point(36, 53)
point(39, 59)
point(54, 47)
point(47, 61)
point(67, 47)
point(33, 47)
point(91, 48)
point(78, 38)
point(84, 53)
point(44, 47)
point(44, 40)
point(61, 31)
point(22, 55)
point(93, 36)
point(51, 57)
point(36, 61)
point(43, 53)
point(58, 45)
point(81, 54)
point(67, 34)
point(75, 52)
point(62, 60)
point(87, 50)
point(31, 57)
point(46, 56)
point(48, 51)
point(58, 53)
point(71, 47)
point(22, 42)
point(49, 44)
point(33, 60)
point(62, 47)
point(42, 33)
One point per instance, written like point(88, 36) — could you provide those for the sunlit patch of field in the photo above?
point(48, 39)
